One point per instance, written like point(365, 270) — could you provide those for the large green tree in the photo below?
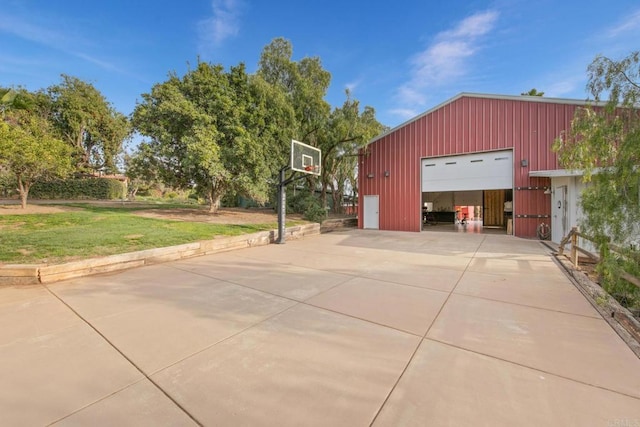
point(338, 133)
point(30, 150)
point(213, 129)
point(604, 142)
point(304, 83)
point(84, 119)
point(348, 129)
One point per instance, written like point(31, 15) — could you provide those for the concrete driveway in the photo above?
point(353, 328)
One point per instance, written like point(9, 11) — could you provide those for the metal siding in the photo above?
point(466, 125)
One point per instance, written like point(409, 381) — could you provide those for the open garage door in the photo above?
point(476, 187)
point(482, 171)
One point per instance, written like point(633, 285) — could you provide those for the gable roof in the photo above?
point(523, 98)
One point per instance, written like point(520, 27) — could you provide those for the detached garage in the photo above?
point(476, 152)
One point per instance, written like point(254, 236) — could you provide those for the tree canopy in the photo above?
point(68, 127)
point(213, 129)
point(532, 92)
point(30, 151)
point(338, 133)
point(229, 132)
point(604, 142)
point(87, 122)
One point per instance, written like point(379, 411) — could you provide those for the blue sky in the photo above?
point(401, 58)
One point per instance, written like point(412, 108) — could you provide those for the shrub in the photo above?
point(627, 294)
point(8, 185)
point(87, 188)
point(306, 204)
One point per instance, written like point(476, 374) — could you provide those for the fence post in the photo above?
point(604, 252)
point(574, 246)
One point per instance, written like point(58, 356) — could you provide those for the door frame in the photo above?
point(371, 212)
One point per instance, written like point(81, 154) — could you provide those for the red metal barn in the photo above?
point(473, 150)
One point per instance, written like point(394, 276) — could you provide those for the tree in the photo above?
point(338, 133)
point(348, 130)
point(7, 98)
point(604, 142)
point(88, 123)
point(532, 92)
point(211, 129)
point(17, 99)
point(304, 84)
point(142, 169)
point(30, 151)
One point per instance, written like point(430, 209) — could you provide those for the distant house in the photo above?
point(488, 154)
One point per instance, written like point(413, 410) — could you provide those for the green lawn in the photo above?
point(99, 231)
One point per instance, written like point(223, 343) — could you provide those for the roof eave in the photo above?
point(488, 96)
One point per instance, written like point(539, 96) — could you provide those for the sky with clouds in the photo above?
point(401, 58)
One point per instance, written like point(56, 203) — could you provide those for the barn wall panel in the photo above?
point(466, 125)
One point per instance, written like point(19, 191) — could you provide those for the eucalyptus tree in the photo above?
point(338, 133)
point(604, 143)
point(304, 83)
point(348, 129)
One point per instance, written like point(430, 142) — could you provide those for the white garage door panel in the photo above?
point(483, 171)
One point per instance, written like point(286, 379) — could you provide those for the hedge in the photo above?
point(88, 188)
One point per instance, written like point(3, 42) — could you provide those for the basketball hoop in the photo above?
point(305, 158)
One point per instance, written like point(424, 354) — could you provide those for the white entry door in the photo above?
point(559, 222)
point(371, 212)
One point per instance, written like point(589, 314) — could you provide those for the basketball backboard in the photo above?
point(305, 158)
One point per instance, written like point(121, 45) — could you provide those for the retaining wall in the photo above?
point(28, 274)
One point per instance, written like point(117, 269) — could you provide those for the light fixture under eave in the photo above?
point(386, 174)
point(547, 191)
point(370, 175)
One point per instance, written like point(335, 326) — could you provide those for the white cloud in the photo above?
point(100, 63)
point(631, 23)
point(475, 25)
point(25, 30)
point(445, 59)
point(404, 113)
point(565, 87)
point(223, 23)
point(351, 86)
point(53, 39)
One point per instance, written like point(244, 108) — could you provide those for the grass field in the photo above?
point(97, 231)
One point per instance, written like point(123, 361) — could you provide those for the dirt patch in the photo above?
point(223, 216)
point(33, 209)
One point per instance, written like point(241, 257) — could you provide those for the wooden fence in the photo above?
point(572, 238)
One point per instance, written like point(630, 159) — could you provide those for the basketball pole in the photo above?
point(282, 205)
point(282, 201)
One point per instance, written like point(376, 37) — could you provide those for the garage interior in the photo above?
point(473, 191)
point(481, 209)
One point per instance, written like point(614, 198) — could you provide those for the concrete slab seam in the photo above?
point(511, 362)
point(395, 385)
point(112, 345)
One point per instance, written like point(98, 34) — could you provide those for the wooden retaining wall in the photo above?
point(29, 274)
